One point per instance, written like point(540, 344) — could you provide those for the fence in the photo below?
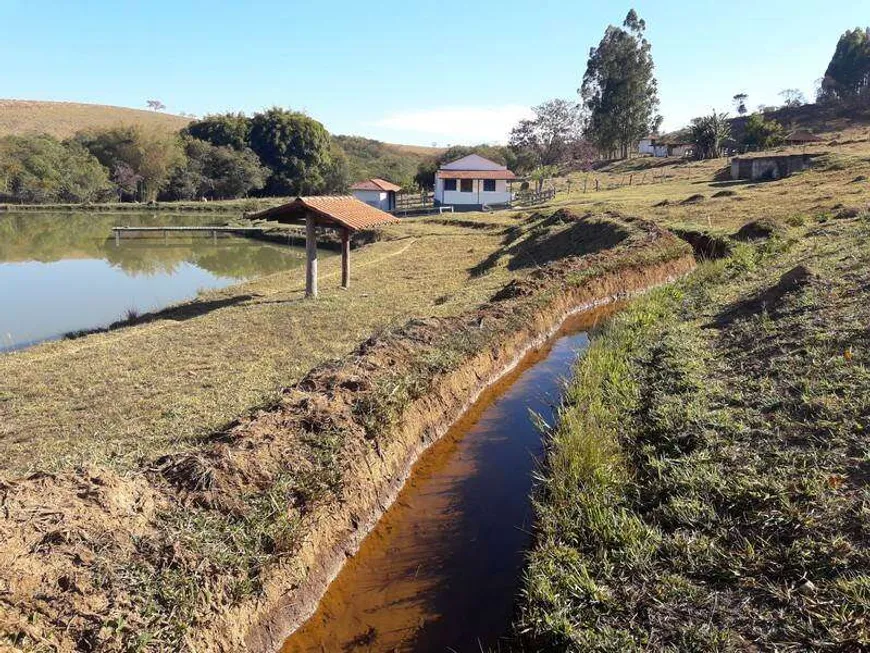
point(414, 203)
point(530, 198)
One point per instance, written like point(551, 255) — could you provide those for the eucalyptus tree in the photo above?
point(619, 88)
point(848, 73)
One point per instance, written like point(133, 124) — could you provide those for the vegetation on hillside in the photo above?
point(225, 156)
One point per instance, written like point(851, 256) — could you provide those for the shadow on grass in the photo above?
point(770, 299)
point(177, 313)
point(542, 246)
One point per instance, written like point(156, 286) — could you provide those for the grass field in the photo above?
point(706, 485)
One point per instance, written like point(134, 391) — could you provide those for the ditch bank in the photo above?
point(392, 432)
point(230, 546)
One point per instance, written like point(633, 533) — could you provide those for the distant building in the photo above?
point(659, 147)
point(768, 168)
point(801, 137)
point(472, 182)
point(681, 149)
point(647, 145)
point(378, 193)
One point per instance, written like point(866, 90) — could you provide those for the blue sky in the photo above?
point(403, 71)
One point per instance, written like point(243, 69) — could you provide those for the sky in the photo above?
point(446, 72)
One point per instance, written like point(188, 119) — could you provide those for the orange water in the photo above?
point(441, 569)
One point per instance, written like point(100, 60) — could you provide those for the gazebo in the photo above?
point(342, 212)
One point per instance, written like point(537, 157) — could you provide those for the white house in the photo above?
point(472, 182)
point(647, 145)
point(378, 193)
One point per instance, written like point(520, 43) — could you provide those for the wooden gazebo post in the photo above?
point(311, 257)
point(345, 258)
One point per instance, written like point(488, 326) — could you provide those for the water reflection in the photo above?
point(64, 272)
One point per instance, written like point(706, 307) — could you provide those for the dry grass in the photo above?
point(823, 190)
point(63, 119)
point(116, 397)
point(706, 486)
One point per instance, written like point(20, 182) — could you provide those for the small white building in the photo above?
point(647, 145)
point(378, 193)
point(472, 182)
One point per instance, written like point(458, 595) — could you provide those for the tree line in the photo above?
point(277, 152)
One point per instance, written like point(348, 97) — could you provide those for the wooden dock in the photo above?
point(212, 231)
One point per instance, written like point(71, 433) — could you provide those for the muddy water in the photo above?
point(442, 567)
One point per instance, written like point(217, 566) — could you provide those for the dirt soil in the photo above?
point(229, 546)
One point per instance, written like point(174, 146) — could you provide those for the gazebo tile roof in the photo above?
point(331, 210)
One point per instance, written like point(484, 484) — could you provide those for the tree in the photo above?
point(224, 130)
point(762, 134)
point(155, 105)
point(619, 88)
point(41, 169)
point(550, 135)
point(337, 176)
point(792, 98)
point(740, 103)
point(294, 147)
point(126, 181)
point(542, 174)
point(709, 133)
point(150, 153)
point(215, 173)
point(425, 177)
point(848, 73)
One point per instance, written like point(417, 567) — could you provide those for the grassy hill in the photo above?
point(367, 157)
point(63, 119)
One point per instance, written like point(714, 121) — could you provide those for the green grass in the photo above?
point(705, 487)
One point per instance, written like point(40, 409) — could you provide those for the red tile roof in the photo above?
point(329, 211)
point(376, 184)
point(476, 174)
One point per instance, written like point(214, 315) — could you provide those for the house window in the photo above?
point(466, 185)
point(489, 185)
point(449, 184)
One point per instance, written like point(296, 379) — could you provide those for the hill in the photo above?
point(366, 157)
point(369, 158)
point(63, 119)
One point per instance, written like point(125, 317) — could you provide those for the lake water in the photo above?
point(61, 273)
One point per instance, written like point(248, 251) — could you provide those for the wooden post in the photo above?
point(345, 258)
point(117, 238)
point(311, 258)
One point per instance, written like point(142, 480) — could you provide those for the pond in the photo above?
point(62, 273)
